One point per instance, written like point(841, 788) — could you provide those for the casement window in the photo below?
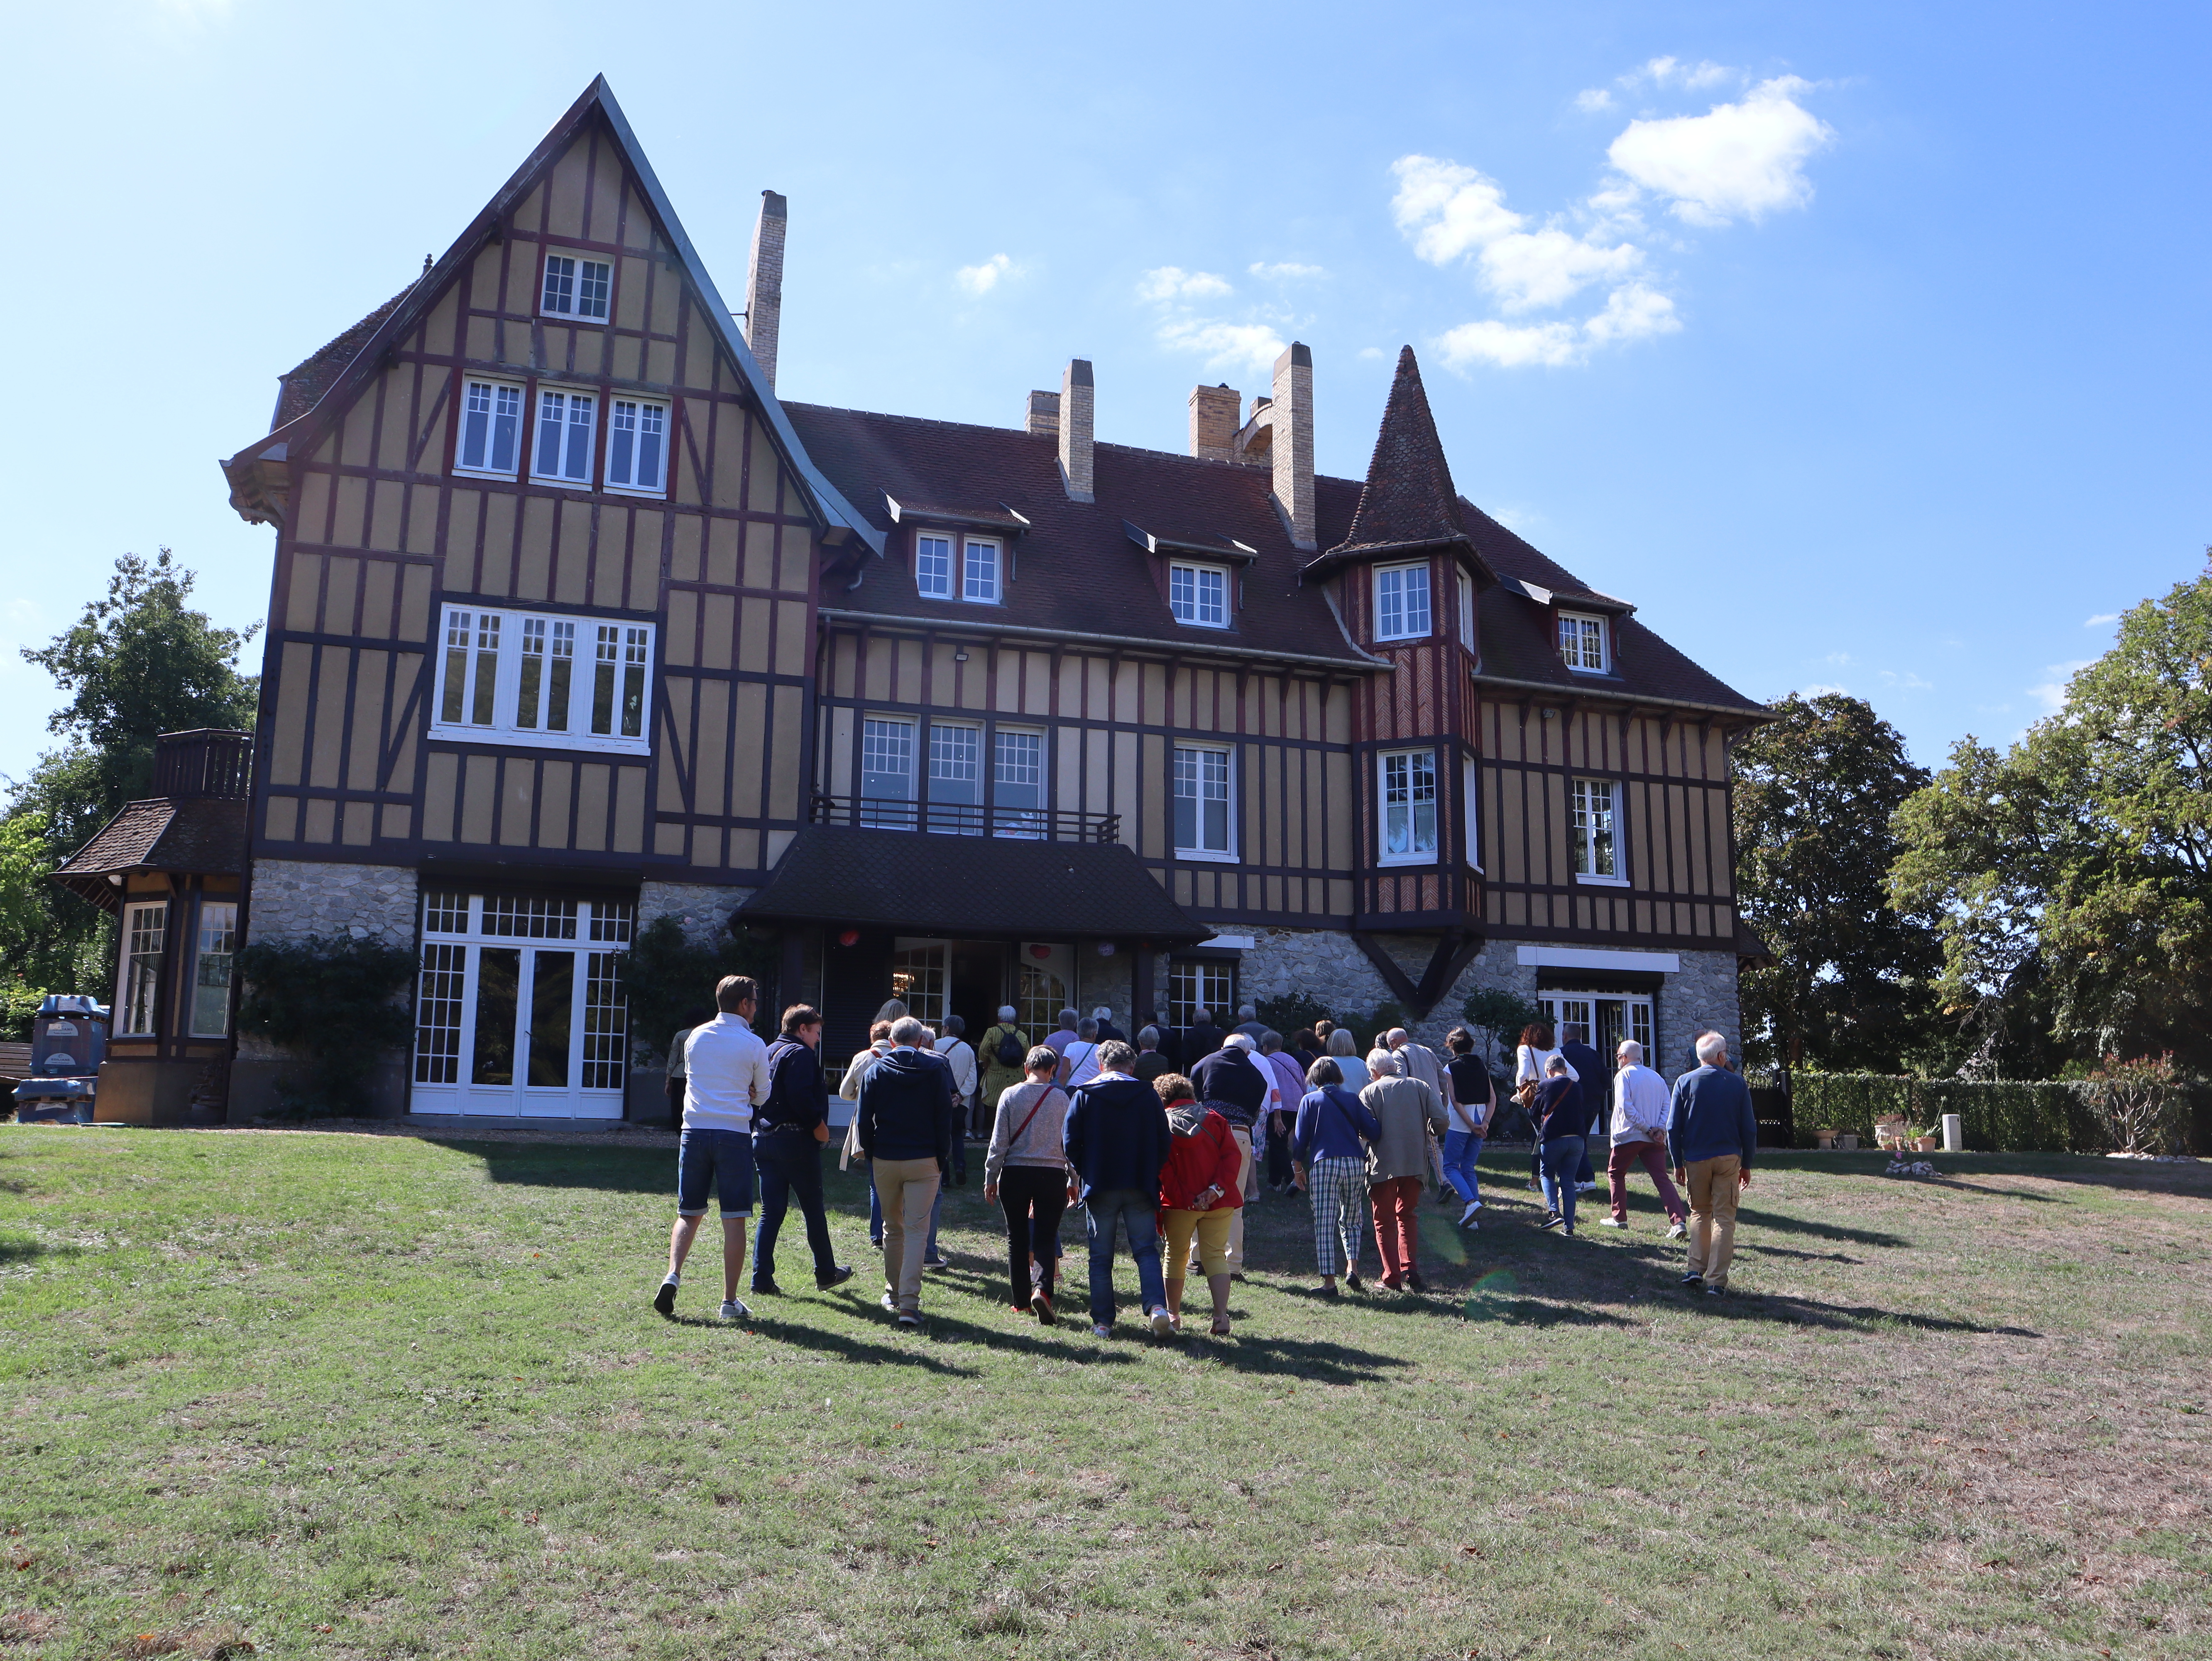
point(1471, 803)
point(1199, 595)
point(576, 288)
point(1581, 642)
point(637, 445)
point(1401, 602)
point(1596, 843)
point(1465, 585)
point(1407, 791)
point(491, 429)
point(933, 566)
point(211, 956)
point(887, 773)
point(956, 778)
point(1202, 811)
point(1194, 985)
point(565, 425)
point(544, 680)
point(139, 975)
point(979, 570)
point(1017, 783)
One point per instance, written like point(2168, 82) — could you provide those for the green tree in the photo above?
point(2075, 868)
point(1849, 988)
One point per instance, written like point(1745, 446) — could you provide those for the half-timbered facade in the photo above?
point(574, 624)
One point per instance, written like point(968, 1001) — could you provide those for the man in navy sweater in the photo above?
point(904, 1127)
point(1713, 1133)
point(1116, 1136)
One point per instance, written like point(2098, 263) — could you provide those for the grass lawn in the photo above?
point(354, 1395)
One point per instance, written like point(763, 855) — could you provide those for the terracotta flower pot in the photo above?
point(1931, 1144)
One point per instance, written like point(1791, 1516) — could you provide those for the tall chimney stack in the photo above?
point(764, 285)
point(1075, 410)
point(1293, 445)
point(1213, 422)
point(1042, 418)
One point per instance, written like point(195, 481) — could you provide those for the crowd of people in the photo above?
point(1162, 1141)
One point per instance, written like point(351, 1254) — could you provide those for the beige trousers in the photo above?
point(907, 1187)
point(1713, 1193)
point(1237, 1227)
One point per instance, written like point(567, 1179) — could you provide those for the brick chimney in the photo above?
point(1042, 418)
point(1075, 410)
point(1292, 447)
point(764, 285)
point(1213, 422)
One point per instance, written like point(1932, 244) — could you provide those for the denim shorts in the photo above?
point(722, 1159)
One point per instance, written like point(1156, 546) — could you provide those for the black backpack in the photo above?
point(1009, 1052)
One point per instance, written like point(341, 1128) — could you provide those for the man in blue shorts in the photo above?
point(727, 1072)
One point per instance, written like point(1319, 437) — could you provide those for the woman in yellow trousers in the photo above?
point(1199, 1195)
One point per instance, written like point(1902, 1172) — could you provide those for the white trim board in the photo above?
point(1591, 956)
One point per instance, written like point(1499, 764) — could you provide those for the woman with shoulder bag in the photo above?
point(1199, 1195)
point(1328, 1159)
point(1025, 1174)
point(1530, 1064)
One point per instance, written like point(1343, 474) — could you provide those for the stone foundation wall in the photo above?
point(293, 898)
point(1701, 997)
point(701, 909)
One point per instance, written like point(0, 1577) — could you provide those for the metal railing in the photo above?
point(946, 818)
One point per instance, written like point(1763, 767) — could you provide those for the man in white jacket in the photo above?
point(1640, 1100)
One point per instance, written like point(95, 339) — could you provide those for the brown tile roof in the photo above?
point(923, 883)
point(301, 390)
point(1408, 501)
point(202, 834)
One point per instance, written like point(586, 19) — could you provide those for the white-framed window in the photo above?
point(1401, 602)
point(956, 778)
point(1198, 594)
point(139, 975)
point(543, 679)
point(1596, 845)
point(1195, 984)
point(1203, 814)
point(577, 288)
point(211, 955)
point(933, 565)
point(1407, 781)
point(1465, 584)
point(1581, 642)
point(491, 441)
point(979, 570)
point(1018, 783)
point(637, 445)
point(887, 772)
point(1471, 802)
point(565, 425)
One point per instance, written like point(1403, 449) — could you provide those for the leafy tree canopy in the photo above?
point(2079, 860)
point(1816, 790)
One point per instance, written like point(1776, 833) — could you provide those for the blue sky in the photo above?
point(1860, 346)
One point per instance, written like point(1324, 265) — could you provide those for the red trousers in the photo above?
point(1654, 1156)
point(1396, 1200)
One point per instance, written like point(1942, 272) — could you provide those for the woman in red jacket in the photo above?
point(1198, 1194)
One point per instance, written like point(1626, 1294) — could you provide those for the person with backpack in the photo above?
point(959, 1056)
point(789, 1129)
point(1001, 1052)
point(1025, 1174)
point(1198, 1195)
point(1330, 1159)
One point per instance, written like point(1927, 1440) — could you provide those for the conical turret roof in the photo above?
point(1408, 501)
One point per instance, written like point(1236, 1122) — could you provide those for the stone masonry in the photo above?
point(293, 898)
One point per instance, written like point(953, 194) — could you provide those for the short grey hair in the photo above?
point(1632, 1052)
point(1340, 1043)
point(1042, 1059)
point(1150, 1038)
point(1069, 1017)
point(954, 1026)
point(1712, 1049)
point(1086, 1028)
point(1248, 1012)
point(907, 1030)
point(1384, 1064)
point(1270, 1042)
point(1103, 1013)
point(1396, 1035)
point(1115, 1056)
point(1238, 1041)
point(1200, 1016)
point(1008, 1013)
point(1376, 1056)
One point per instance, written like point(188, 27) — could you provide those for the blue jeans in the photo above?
point(1461, 1149)
point(876, 1219)
point(1561, 1155)
point(789, 1163)
point(1135, 1211)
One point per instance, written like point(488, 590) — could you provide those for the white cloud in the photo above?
point(2052, 692)
point(1223, 345)
point(1737, 161)
point(1454, 212)
point(1592, 100)
point(980, 280)
point(1374, 352)
point(1907, 681)
point(1633, 312)
point(1286, 271)
point(2100, 619)
point(1674, 72)
point(1548, 345)
point(1170, 282)
point(1841, 659)
point(1821, 689)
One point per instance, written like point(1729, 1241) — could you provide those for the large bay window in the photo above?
point(1407, 791)
point(1596, 850)
point(516, 675)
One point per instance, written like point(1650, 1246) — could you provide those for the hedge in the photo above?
point(2003, 1116)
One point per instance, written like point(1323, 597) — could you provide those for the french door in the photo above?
point(520, 1010)
point(1600, 1019)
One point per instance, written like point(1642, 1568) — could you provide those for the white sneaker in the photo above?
point(1611, 1222)
point(1100, 1330)
point(1467, 1215)
point(1677, 1233)
point(734, 1310)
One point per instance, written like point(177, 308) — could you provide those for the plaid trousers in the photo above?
point(1338, 1188)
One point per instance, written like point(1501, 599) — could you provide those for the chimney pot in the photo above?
point(1076, 395)
point(1042, 418)
point(764, 285)
point(1213, 422)
point(1292, 447)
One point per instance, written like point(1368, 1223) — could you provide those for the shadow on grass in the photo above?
point(1747, 1218)
point(565, 1165)
point(27, 1252)
point(1843, 1318)
point(2085, 1169)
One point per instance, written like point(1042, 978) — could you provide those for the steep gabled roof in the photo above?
point(1407, 502)
point(302, 387)
point(598, 98)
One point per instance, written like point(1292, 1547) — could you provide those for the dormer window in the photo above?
point(576, 288)
point(1401, 602)
point(949, 566)
point(1199, 595)
point(979, 567)
point(1581, 642)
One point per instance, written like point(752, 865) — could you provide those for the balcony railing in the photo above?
point(947, 818)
